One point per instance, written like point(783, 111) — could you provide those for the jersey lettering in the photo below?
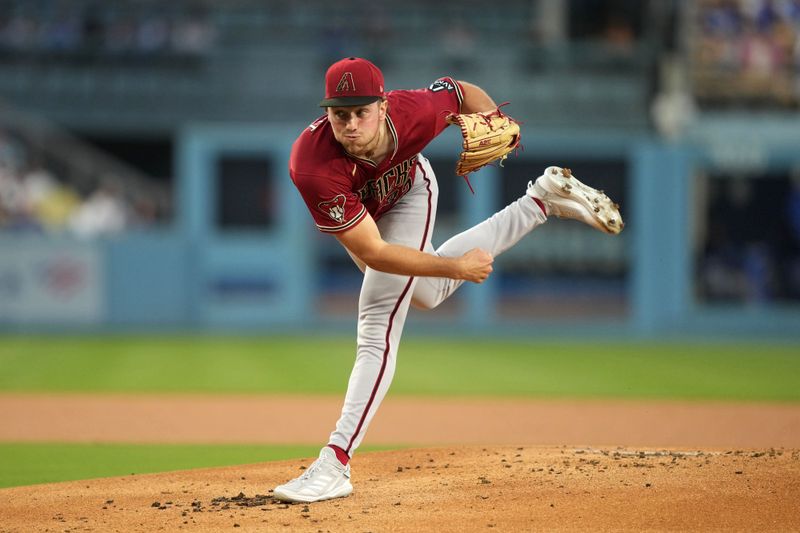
point(391, 185)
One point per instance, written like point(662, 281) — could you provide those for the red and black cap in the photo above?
point(352, 81)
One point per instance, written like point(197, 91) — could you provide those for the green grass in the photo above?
point(169, 364)
point(31, 463)
point(441, 367)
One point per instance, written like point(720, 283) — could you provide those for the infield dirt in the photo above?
point(721, 470)
point(498, 488)
point(400, 421)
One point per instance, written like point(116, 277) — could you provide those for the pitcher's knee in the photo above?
point(424, 303)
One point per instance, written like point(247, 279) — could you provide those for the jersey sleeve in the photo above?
point(333, 207)
point(446, 96)
point(421, 114)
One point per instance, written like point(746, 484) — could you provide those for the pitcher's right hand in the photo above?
point(475, 265)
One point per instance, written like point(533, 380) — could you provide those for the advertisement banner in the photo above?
point(55, 283)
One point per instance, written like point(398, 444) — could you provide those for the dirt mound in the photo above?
point(508, 488)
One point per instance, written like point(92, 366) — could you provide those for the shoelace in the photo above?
point(311, 469)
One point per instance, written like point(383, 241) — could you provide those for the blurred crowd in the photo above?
point(51, 28)
point(748, 51)
point(34, 198)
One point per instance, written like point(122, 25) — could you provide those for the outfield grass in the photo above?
point(31, 463)
point(283, 365)
point(168, 364)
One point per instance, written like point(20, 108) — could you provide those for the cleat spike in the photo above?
point(567, 197)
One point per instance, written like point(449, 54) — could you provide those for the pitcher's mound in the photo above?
point(516, 488)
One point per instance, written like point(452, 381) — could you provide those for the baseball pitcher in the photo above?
point(361, 172)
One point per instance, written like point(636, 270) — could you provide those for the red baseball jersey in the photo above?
point(339, 188)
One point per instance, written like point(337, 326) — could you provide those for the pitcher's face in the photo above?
point(357, 127)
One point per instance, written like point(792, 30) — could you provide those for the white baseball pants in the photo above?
point(385, 298)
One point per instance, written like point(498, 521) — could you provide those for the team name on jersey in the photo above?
point(391, 185)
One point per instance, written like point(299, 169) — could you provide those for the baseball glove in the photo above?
point(487, 137)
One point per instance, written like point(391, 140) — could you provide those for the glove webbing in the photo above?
point(486, 117)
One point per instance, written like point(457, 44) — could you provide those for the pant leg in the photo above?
point(495, 235)
point(382, 310)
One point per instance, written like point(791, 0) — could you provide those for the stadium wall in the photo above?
point(193, 275)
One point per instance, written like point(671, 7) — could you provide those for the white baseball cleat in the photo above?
point(566, 197)
point(326, 478)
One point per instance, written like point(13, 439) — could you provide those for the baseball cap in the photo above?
point(352, 81)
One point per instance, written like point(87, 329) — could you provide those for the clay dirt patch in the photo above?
point(400, 421)
point(497, 488)
point(721, 469)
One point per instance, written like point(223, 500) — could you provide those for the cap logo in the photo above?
point(346, 83)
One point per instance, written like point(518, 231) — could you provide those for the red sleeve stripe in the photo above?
point(459, 93)
point(352, 222)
